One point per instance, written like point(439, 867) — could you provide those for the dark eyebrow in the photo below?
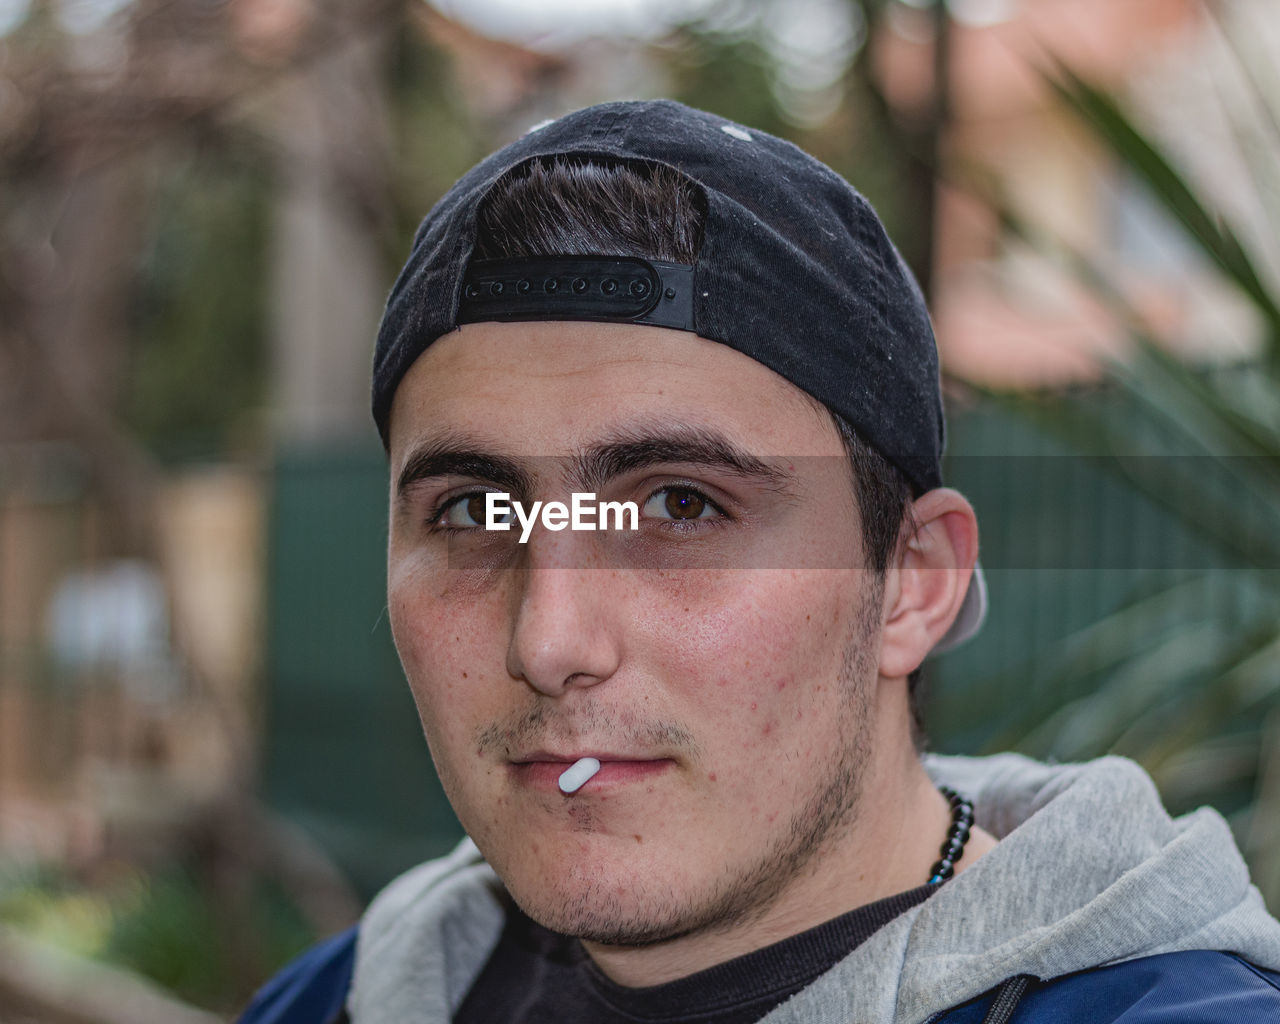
point(462, 457)
point(642, 448)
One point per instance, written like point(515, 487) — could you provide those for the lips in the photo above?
point(542, 770)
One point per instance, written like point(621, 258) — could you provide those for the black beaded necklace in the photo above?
point(953, 847)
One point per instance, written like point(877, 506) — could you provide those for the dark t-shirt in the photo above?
point(535, 976)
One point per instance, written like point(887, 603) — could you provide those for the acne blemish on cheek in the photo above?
point(577, 774)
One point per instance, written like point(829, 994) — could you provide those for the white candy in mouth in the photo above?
point(576, 775)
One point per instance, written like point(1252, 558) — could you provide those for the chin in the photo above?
point(629, 901)
point(627, 914)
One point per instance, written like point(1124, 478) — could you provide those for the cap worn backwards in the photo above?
point(794, 270)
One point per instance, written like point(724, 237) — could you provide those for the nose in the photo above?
point(564, 634)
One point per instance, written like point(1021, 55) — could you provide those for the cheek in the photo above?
point(758, 653)
point(447, 647)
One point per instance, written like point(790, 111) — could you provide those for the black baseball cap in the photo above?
point(794, 270)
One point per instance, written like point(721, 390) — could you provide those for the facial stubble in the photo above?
point(594, 912)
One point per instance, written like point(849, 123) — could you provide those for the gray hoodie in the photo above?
point(1089, 871)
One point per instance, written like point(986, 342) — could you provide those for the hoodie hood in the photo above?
point(1090, 870)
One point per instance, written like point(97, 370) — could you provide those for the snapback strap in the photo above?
point(605, 288)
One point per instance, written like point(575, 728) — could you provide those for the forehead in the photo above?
point(543, 388)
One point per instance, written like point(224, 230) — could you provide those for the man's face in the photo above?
point(720, 661)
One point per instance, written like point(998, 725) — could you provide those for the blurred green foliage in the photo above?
point(165, 925)
point(727, 73)
point(1185, 677)
point(730, 72)
point(171, 936)
point(198, 373)
point(435, 140)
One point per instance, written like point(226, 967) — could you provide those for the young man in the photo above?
point(684, 747)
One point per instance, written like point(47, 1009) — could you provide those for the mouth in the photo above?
point(542, 771)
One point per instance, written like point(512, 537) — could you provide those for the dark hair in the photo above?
point(580, 207)
point(568, 207)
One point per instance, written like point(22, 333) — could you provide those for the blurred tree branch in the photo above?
point(81, 113)
point(916, 136)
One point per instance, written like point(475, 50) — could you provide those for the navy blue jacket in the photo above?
point(1197, 987)
point(310, 990)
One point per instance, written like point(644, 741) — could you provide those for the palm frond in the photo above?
point(1135, 150)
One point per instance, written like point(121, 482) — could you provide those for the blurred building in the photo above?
point(1004, 315)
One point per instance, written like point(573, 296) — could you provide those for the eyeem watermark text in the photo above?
point(582, 513)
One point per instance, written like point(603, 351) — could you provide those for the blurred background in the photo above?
point(208, 756)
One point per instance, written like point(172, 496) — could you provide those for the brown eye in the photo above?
point(683, 504)
point(680, 504)
point(469, 511)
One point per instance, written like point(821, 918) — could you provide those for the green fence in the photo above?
point(1065, 540)
point(345, 756)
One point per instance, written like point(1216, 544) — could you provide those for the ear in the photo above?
point(926, 582)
